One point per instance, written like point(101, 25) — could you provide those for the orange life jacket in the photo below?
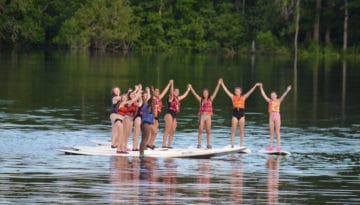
point(239, 102)
point(157, 106)
point(206, 107)
point(274, 106)
point(174, 105)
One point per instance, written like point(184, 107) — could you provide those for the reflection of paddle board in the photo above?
point(274, 152)
point(170, 153)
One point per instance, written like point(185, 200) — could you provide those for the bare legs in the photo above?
point(137, 130)
point(128, 123)
point(170, 128)
point(154, 132)
point(234, 123)
point(207, 124)
point(114, 130)
point(275, 126)
point(146, 130)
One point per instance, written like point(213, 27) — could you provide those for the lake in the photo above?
point(49, 100)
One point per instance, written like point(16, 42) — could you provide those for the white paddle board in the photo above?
point(274, 152)
point(160, 153)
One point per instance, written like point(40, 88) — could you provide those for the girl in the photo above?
point(147, 122)
point(137, 119)
point(274, 115)
point(121, 110)
point(173, 107)
point(115, 118)
point(157, 110)
point(132, 105)
point(205, 113)
point(238, 116)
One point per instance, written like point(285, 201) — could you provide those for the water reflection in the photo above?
point(170, 180)
point(237, 180)
point(272, 192)
point(204, 181)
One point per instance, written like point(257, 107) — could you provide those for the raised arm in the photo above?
point(171, 96)
point(285, 93)
point(116, 99)
point(166, 89)
point(226, 90)
point(251, 91)
point(147, 90)
point(216, 91)
point(263, 93)
point(195, 94)
point(186, 93)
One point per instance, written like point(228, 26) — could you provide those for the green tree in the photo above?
point(101, 25)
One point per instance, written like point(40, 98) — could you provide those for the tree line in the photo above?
point(267, 26)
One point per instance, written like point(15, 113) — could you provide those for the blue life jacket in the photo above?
point(147, 117)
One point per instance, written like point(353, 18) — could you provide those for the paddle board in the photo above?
point(170, 153)
point(274, 152)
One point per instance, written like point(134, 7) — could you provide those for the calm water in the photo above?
point(51, 100)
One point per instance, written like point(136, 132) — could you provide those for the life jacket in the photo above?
point(239, 102)
point(132, 109)
point(157, 106)
point(174, 105)
point(122, 110)
point(206, 107)
point(147, 117)
point(274, 106)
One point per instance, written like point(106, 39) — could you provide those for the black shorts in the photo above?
point(136, 117)
point(157, 118)
point(172, 113)
point(238, 113)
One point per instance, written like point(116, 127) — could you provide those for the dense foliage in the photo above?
point(198, 25)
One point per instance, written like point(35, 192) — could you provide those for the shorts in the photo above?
point(157, 118)
point(172, 113)
point(204, 116)
point(128, 117)
point(136, 117)
point(238, 113)
point(274, 116)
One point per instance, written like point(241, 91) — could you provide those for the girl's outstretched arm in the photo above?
point(166, 89)
point(186, 93)
point(171, 96)
point(195, 94)
point(251, 91)
point(285, 93)
point(216, 90)
point(226, 90)
point(263, 93)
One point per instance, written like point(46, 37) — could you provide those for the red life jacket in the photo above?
point(157, 106)
point(206, 107)
point(122, 110)
point(132, 109)
point(174, 105)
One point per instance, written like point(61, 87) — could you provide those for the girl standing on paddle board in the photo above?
point(115, 118)
point(132, 106)
point(157, 97)
point(173, 107)
point(137, 119)
point(238, 116)
point(274, 115)
point(205, 112)
point(147, 122)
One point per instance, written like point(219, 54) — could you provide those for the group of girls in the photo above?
point(141, 110)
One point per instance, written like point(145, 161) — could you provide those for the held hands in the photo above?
point(189, 87)
point(220, 81)
point(288, 88)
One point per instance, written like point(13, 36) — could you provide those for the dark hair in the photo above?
point(150, 104)
point(205, 89)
